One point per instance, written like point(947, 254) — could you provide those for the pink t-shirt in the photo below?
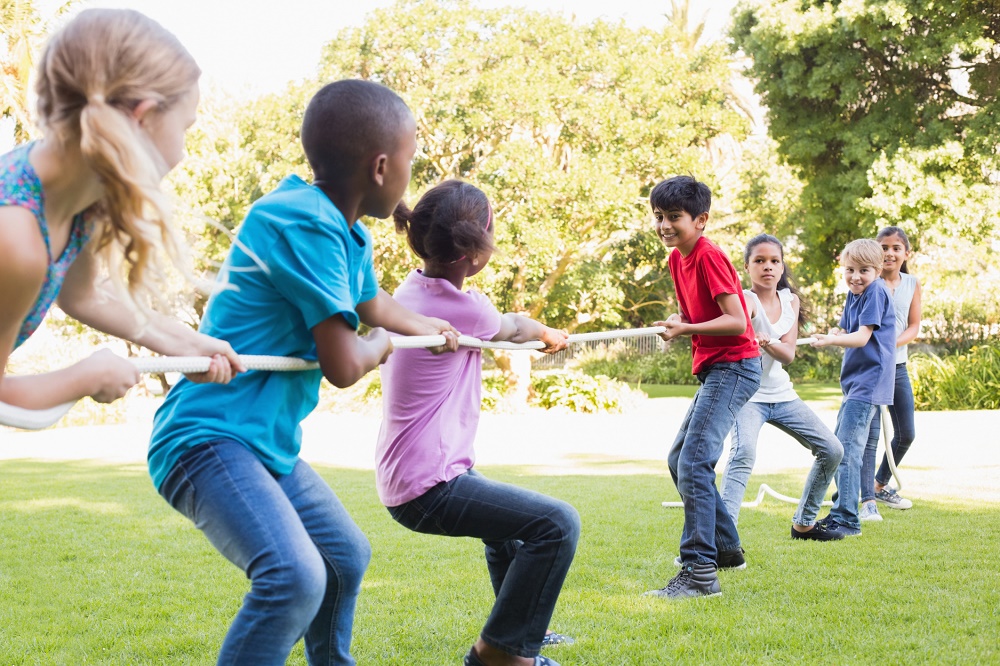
point(430, 404)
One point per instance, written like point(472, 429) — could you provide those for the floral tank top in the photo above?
point(20, 186)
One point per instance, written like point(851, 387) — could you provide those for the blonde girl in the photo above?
point(116, 93)
point(906, 299)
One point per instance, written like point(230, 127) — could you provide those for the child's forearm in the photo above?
point(856, 339)
point(722, 325)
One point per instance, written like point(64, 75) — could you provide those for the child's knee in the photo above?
point(568, 520)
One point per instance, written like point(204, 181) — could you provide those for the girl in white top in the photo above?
point(906, 298)
point(776, 314)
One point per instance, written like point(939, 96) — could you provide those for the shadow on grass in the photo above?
point(142, 586)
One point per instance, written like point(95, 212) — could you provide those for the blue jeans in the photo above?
point(708, 527)
point(530, 542)
point(901, 413)
point(854, 430)
point(300, 549)
point(793, 418)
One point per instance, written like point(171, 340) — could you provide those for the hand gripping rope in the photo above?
point(36, 419)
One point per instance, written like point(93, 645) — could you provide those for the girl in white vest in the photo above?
point(776, 313)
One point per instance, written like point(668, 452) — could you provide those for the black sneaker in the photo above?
point(832, 525)
point(693, 580)
point(732, 559)
point(818, 533)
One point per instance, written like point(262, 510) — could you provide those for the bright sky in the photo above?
point(249, 47)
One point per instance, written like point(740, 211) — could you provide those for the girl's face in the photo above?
point(896, 253)
point(765, 265)
point(166, 129)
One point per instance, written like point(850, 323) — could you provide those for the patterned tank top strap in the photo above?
point(20, 186)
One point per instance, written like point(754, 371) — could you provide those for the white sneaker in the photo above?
point(869, 511)
point(892, 499)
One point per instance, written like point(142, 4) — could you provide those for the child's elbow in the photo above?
point(343, 375)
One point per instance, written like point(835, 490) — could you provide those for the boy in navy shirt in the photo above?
point(726, 359)
point(867, 376)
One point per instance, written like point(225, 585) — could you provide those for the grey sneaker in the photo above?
point(693, 580)
point(892, 499)
point(728, 559)
point(869, 512)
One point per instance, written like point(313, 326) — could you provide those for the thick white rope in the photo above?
point(36, 419)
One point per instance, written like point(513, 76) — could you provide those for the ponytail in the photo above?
point(93, 74)
point(451, 221)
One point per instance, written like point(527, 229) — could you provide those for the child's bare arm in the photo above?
point(385, 312)
point(858, 338)
point(732, 321)
point(518, 328)
point(783, 349)
point(344, 356)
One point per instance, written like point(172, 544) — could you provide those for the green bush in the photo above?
point(956, 326)
point(672, 366)
point(969, 380)
point(578, 392)
point(816, 365)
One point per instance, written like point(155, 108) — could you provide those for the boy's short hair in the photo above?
point(681, 193)
point(864, 252)
point(348, 121)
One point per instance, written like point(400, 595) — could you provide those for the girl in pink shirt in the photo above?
point(425, 456)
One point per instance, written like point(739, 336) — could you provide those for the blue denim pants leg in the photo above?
point(708, 527)
point(903, 427)
point(742, 455)
point(300, 549)
point(854, 422)
point(530, 541)
point(868, 459)
point(804, 426)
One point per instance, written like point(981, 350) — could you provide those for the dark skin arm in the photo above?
point(344, 356)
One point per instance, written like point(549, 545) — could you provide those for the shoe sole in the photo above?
point(894, 506)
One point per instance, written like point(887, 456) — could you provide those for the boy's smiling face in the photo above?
point(858, 276)
point(676, 228)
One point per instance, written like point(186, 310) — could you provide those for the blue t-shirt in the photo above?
point(868, 373)
point(312, 266)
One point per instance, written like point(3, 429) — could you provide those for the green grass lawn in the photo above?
point(95, 568)
point(822, 394)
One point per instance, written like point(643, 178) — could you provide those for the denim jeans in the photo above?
point(300, 549)
point(793, 418)
point(901, 413)
point(708, 527)
point(530, 541)
point(854, 428)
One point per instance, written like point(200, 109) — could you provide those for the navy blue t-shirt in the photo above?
point(869, 373)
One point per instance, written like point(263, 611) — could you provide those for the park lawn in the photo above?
point(823, 394)
point(95, 568)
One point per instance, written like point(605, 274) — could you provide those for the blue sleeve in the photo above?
point(309, 267)
point(872, 308)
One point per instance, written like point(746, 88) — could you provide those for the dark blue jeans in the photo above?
point(903, 429)
point(708, 527)
point(530, 543)
point(300, 549)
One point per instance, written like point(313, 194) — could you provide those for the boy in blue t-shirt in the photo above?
point(299, 279)
point(867, 376)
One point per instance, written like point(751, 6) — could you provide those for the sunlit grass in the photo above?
point(96, 568)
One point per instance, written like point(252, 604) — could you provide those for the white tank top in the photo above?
point(775, 384)
point(901, 299)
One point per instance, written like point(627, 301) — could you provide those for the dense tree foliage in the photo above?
point(565, 126)
point(888, 111)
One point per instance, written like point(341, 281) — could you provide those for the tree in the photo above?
point(565, 126)
point(887, 111)
point(23, 30)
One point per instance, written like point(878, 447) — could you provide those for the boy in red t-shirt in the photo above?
point(727, 363)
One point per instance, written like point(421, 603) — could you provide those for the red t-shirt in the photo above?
point(698, 279)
